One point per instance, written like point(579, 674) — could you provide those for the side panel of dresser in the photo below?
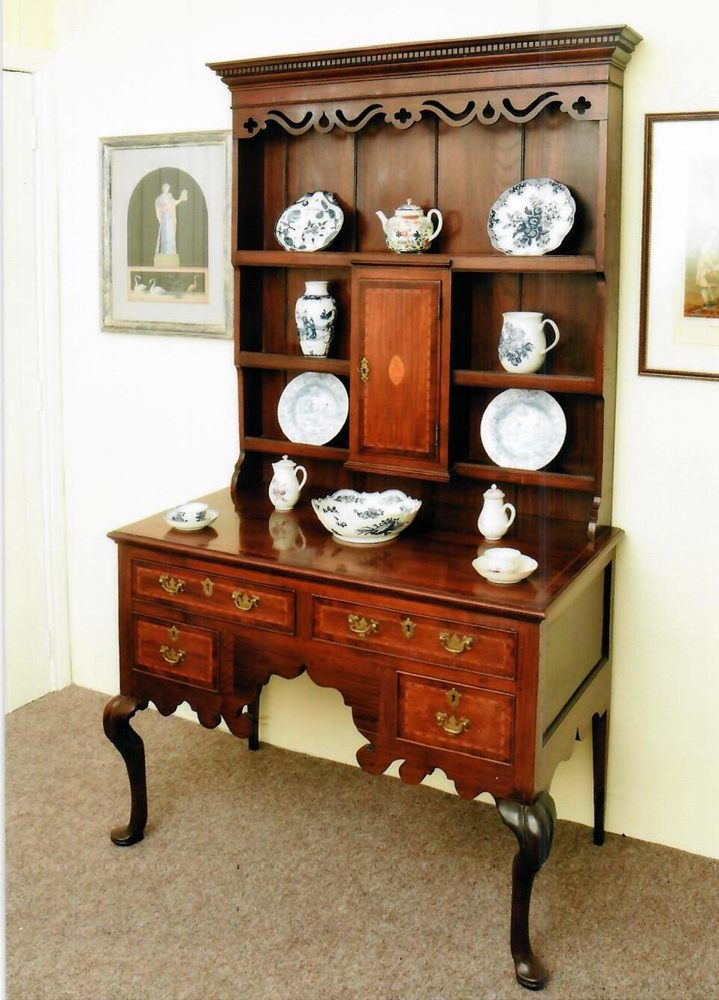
point(433, 685)
point(574, 666)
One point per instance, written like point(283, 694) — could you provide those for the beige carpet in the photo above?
point(274, 876)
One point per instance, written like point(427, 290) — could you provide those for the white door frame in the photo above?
point(41, 65)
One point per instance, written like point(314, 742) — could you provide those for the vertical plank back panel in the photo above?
point(325, 162)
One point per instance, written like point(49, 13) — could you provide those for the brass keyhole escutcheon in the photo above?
point(364, 370)
point(408, 627)
point(174, 633)
point(452, 725)
point(207, 587)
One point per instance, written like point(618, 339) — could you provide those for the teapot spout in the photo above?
point(382, 218)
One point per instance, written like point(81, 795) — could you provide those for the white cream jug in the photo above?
point(285, 488)
point(493, 521)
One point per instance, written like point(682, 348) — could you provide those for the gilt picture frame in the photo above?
point(165, 229)
point(679, 313)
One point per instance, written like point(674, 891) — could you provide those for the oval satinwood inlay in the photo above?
point(396, 369)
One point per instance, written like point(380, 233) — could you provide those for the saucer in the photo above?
point(190, 517)
point(526, 567)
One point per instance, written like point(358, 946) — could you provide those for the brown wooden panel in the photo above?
point(211, 593)
point(567, 150)
point(274, 192)
point(398, 410)
point(158, 642)
point(476, 164)
point(489, 714)
point(491, 650)
point(325, 162)
point(393, 166)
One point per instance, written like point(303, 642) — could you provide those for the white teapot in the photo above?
point(410, 230)
point(285, 488)
point(493, 521)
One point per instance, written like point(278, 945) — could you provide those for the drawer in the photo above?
point(237, 598)
point(479, 648)
point(175, 650)
point(457, 717)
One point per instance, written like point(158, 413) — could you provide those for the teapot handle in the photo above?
point(508, 506)
point(438, 230)
point(301, 468)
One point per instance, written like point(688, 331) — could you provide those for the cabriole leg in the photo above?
point(533, 826)
point(253, 710)
point(600, 725)
point(116, 723)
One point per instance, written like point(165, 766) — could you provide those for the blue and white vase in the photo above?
point(315, 314)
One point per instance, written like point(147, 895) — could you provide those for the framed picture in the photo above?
point(679, 319)
point(166, 234)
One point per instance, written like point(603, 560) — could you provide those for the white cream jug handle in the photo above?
point(301, 468)
point(508, 506)
point(556, 331)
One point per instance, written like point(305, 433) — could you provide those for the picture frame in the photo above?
point(679, 314)
point(165, 225)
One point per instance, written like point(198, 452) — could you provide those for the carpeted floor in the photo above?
point(274, 876)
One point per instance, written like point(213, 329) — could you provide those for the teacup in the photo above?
point(194, 511)
point(502, 560)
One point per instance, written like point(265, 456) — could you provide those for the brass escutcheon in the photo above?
point(360, 626)
point(364, 370)
point(171, 585)
point(453, 643)
point(408, 627)
point(172, 655)
point(243, 601)
point(452, 725)
point(207, 587)
point(174, 633)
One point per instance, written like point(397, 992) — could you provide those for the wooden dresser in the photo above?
point(440, 668)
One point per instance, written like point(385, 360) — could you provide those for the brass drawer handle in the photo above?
point(452, 725)
point(360, 626)
point(453, 643)
point(243, 601)
point(171, 585)
point(364, 370)
point(172, 655)
point(455, 727)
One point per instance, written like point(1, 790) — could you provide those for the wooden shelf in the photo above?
point(458, 262)
point(549, 383)
point(293, 362)
point(274, 446)
point(525, 477)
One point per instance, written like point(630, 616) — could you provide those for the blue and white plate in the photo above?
point(311, 223)
point(313, 408)
point(531, 217)
point(523, 429)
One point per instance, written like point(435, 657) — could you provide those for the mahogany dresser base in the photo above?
point(490, 684)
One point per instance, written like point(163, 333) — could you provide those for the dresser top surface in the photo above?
point(427, 561)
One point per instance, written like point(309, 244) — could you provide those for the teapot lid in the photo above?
point(285, 463)
point(494, 493)
point(409, 208)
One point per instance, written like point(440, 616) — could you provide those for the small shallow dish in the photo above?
point(526, 567)
point(531, 218)
point(190, 516)
point(523, 429)
point(366, 518)
point(310, 223)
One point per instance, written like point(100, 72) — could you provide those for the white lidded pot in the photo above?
point(493, 521)
point(285, 487)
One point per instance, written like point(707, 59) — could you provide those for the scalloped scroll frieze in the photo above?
point(376, 759)
point(518, 105)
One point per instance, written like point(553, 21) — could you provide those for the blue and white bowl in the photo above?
point(366, 518)
point(190, 516)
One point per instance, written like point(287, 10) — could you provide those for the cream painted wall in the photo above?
point(28, 24)
point(151, 421)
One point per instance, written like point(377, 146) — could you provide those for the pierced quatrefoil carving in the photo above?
point(581, 105)
point(250, 125)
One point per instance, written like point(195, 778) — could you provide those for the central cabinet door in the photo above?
point(400, 371)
